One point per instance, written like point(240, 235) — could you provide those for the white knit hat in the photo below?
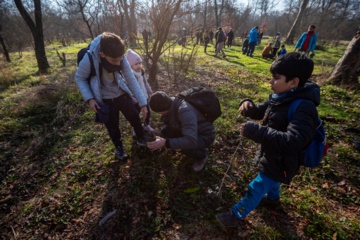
point(133, 58)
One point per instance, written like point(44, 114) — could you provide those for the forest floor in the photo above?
point(60, 179)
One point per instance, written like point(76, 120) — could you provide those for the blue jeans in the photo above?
point(260, 186)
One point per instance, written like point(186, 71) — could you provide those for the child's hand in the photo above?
point(245, 106)
point(144, 111)
point(93, 105)
point(242, 129)
point(157, 144)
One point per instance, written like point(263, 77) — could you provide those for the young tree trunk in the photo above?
point(291, 35)
point(37, 33)
point(347, 69)
point(6, 53)
point(161, 15)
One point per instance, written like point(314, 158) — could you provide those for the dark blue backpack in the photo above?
point(317, 149)
point(81, 55)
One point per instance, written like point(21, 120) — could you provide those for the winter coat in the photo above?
point(281, 141)
point(93, 90)
point(253, 36)
point(220, 36)
point(230, 35)
point(144, 85)
point(190, 125)
point(312, 42)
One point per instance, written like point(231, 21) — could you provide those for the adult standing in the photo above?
point(211, 35)
point(230, 38)
point(277, 44)
point(307, 41)
point(253, 40)
point(220, 40)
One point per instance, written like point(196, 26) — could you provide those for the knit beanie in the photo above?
point(133, 58)
point(160, 102)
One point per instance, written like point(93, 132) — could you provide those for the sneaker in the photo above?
point(142, 142)
point(224, 56)
point(120, 152)
point(200, 164)
point(148, 128)
point(227, 219)
point(267, 202)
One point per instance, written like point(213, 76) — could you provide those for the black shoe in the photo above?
point(142, 142)
point(224, 56)
point(200, 164)
point(267, 202)
point(227, 219)
point(120, 152)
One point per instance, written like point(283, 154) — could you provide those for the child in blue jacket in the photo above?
point(281, 141)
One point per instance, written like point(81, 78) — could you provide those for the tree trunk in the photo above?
point(6, 53)
point(291, 35)
point(37, 32)
point(347, 69)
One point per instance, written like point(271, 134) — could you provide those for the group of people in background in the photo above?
point(305, 44)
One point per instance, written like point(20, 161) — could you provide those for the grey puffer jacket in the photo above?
point(93, 90)
point(282, 141)
point(189, 123)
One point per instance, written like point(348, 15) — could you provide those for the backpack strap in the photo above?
point(92, 67)
point(293, 106)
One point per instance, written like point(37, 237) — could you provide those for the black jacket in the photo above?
point(282, 142)
point(185, 125)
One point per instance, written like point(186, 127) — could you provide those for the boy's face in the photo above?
point(279, 85)
point(113, 61)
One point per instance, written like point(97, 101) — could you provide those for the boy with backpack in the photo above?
point(185, 128)
point(282, 140)
point(107, 91)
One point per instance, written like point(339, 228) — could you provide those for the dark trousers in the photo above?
point(274, 51)
point(251, 48)
point(197, 153)
point(126, 106)
point(229, 43)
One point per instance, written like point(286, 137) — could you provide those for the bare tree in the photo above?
point(218, 12)
point(347, 69)
point(2, 42)
point(87, 9)
point(161, 14)
point(130, 17)
point(291, 34)
point(36, 29)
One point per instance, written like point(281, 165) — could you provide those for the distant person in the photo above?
point(220, 40)
point(281, 142)
point(184, 128)
point(183, 37)
point(211, 35)
point(282, 51)
point(206, 38)
point(277, 43)
point(260, 35)
point(145, 36)
point(307, 41)
point(245, 45)
point(230, 38)
point(267, 52)
point(253, 41)
point(198, 37)
point(135, 62)
point(109, 92)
